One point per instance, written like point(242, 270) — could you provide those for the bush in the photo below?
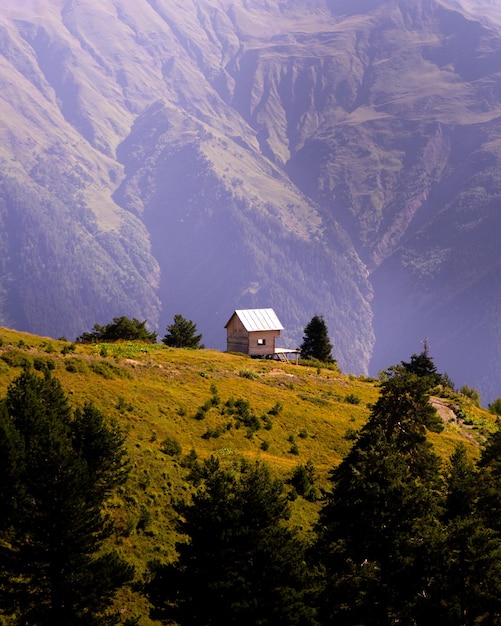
point(267, 421)
point(352, 399)
point(107, 370)
point(75, 365)
point(350, 434)
point(190, 459)
point(495, 407)
point(123, 405)
point(171, 447)
point(16, 358)
point(471, 393)
point(276, 409)
point(43, 364)
point(248, 374)
point(303, 482)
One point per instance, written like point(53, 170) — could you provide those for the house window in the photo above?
point(261, 342)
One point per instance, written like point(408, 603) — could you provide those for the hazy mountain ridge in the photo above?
point(215, 155)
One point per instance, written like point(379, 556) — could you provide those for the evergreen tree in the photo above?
point(467, 580)
point(182, 334)
point(241, 564)
point(495, 406)
point(121, 329)
point(377, 531)
point(423, 366)
point(316, 344)
point(52, 567)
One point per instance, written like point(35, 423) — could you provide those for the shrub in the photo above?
point(352, 399)
point(253, 424)
point(43, 364)
point(350, 434)
point(76, 365)
point(276, 409)
point(16, 358)
point(171, 447)
point(248, 374)
point(107, 370)
point(495, 407)
point(267, 421)
point(123, 405)
point(471, 393)
point(200, 414)
point(190, 459)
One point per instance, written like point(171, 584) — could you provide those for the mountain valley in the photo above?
point(330, 157)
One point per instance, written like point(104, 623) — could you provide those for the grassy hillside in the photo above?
point(213, 403)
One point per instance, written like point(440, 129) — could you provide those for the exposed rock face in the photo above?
point(317, 156)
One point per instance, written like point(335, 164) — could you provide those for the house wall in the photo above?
point(258, 343)
point(267, 337)
point(237, 338)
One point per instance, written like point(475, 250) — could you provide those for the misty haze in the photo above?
point(329, 157)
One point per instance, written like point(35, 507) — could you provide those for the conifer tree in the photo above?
point(52, 567)
point(377, 529)
point(468, 576)
point(241, 564)
point(316, 343)
point(182, 333)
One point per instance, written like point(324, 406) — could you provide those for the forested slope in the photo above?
point(191, 416)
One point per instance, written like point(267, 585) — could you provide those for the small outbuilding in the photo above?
point(253, 332)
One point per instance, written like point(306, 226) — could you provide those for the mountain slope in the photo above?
point(161, 396)
point(324, 157)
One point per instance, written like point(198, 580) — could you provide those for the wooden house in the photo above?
point(253, 332)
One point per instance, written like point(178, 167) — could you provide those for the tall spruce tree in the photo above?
point(316, 343)
point(241, 564)
point(59, 470)
point(377, 529)
point(182, 333)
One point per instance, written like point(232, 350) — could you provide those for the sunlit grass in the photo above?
point(298, 413)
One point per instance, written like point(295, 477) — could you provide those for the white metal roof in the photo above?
point(258, 319)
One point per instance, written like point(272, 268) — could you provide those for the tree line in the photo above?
point(182, 333)
point(401, 537)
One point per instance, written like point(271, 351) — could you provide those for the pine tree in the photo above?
point(241, 563)
point(182, 334)
point(467, 580)
point(377, 529)
point(316, 344)
point(52, 568)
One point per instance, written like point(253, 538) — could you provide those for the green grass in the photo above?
point(166, 398)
